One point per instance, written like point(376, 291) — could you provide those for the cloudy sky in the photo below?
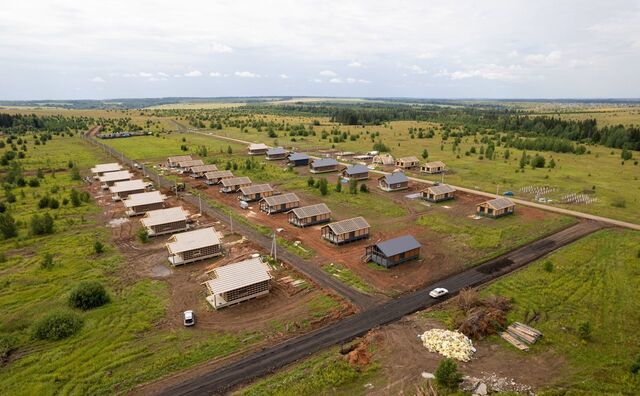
point(68, 49)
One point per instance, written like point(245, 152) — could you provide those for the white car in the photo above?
point(188, 318)
point(438, 292)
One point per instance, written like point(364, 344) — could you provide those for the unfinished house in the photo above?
point(199, 171)
point(101, 169)
point(237, 282)
point(255, 192)
point(383, 159)
point(309, 215)
point(186, 166)
point(433, 167)
point(496, 207)
point(138, 204)
point(345, 231)
point(165, 221)
point(233, 184)
point(191, 246)
point(258, 149)
point(277, 153)
point(324, 165)
point(441, 192)
point(393, 251)
point(172, 162)
point(407, 162)
point(279, 203)
point(108, 179)
point(393, 182)
point(298, 159)
point(356, 172)
point(123, 189)
point(216, 177)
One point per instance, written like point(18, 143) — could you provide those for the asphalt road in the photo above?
point(270, 359)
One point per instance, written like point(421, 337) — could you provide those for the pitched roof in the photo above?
point(190, 163)
point(144, 198)
point(322, 162)
point(193, 240)
point(115, 176)
point(256, 188)
point(311, 210)
point(110, 167)
point(348, 225)
point(356, 169)
point(178, 158)
point(129, 185)
point(204, 168)
point(500, 203)
point(281, 199)
point(408, 159)
point(258, 146)
point(218, 174)
point(441, 189)
point(164, 216)
point(298, 156)
point(234, 276)
point(396, 177)
point(276, 151)
point(236, 181)
point(398, 245)
point(435, 164)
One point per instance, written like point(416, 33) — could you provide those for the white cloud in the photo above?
point(355, 64)
point(336, 80)
point(98, 80)
point(129, 75)
point(488, 72)
point(328, 73)
point(145, 74)
point(316, 80)
point(552, 58)
point(246, 74)
point(193, 73)
point(352, 80)
point(220, 48)
point(426, 55)
point(283, 76)
point(215, 74)
point(417, 69)
point(161, 74)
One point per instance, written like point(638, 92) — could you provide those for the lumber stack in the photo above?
point(519, 335)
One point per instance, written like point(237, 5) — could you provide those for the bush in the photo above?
point(47, 261)
point(143, 235)
point(53, 203)
point(57, 325)
point(3, 207)
point(88, 295)
point(364, 188)
point(548, 266)
point(323, 186)
point(8, 227)
point(584, 331)
point(619, 202)
point(7, 344)
point(310, 181)
point(447, 374)
point(635, 367)
point(43, 202)
point(98, 247)
point(34, 182)
point(41, 225)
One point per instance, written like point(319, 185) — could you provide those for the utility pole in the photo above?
point(274, 247)
point(200, 202)
point(231, 222)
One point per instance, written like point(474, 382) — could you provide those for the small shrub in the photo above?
point(584, 331)
point(635, 367)
point(57, 325)
point(619, 202)
point(34, 182)
point(47, 262)
point(53, 203)
point(364, 188)
point(447, 374)
point(98, 247)
point(88, 295)
point(8, 227)
point(3, 207)
point(548, 266)
point(41, 225)
point(8, 343)
point(143, 235)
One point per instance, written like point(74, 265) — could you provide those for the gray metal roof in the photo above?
point(311, 210)
point(256, 188)
point(398, 245)
point(356, 169)
point(276, 151)
point(234, 276)
point(281, 199)
point(204, 168)
point(164, 216)
point(110, 167)
point(500, 203)
point(190, 163)
point(116, 176)
point(441, 189)
point(190, 240)
point(218, 174)
point(396, 177)
point(298, 156)
point(322, 162)
point(129, 185)
point(145, 198)
point(179, 158)
point(258, 146)
point(236, 181)
point(348, 225)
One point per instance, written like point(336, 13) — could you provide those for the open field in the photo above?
point(138, 336)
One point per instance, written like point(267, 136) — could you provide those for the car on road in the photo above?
point(438, 292)
point(189, 318)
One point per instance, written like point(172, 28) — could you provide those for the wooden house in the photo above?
point(165, 221)
point(309, 215)
point(393, 251)
point(101, 169)
point(233, 184)
point(138, 204)
point(324, 165)
point(407, 162)
point(298, 159)
point(255, 192)
point(191, 246)
point(383, 159)
point(185, 166)
point(356, 172)
point(199, 171)
point(172, 162)
point(237, 282)
point(276, 153)
point(216, 177)
point(393, 182)
point(279, 203)
point(109, 179)
point(441, 192)
point(258, 149)
point(433, 167)
point(345, 231)
point(496, 207)
point(123, 189)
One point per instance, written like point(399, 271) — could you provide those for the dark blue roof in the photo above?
point(298, 157)
point(396, 177)
point(355, 169)
point(324, 162)
point(276, 151)
point(398, 245)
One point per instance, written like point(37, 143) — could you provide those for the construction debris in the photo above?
point(451, 344)
point(519, 335)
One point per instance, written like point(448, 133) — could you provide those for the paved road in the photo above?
point(587, 216)
point(270, 359)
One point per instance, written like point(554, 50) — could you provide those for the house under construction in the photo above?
point(193, 246)
point(237, 282)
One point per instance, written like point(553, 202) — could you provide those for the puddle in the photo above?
point(118, 222)
point(160, 271)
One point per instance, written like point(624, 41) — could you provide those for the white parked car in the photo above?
point(188, 318)
point(438, 292)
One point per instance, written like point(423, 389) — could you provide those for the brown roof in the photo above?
point(256, 188)
point(281, 199)
point(435, 164)
point(348, 225)
point(407, 159)
point(218, 174)
point(236, 181)
point(311, 210)
point(440, 189)
point(500, 203)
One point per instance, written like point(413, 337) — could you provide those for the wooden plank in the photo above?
point(516, 343)
point(528, 328)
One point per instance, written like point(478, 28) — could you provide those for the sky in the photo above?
point(86, 49)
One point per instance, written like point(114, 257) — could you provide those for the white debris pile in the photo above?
point(451, 344)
